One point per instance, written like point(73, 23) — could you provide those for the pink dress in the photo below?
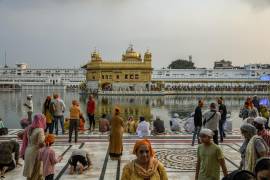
point(47, 156)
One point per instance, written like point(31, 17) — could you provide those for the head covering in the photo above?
point(49, 97)
point(130, 118)
point(49, 139)
point(249, 120)
point(29, 96)
point(260, 120)
point(207, 132)
point(250, 129)
point(141, 118)
point(143, 142)
point(39, 121)
point(117, 110)
point(175, 115)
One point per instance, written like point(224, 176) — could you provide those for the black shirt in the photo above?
point(223, 108)
point(198, 117)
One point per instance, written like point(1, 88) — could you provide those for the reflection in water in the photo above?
point(11, 107)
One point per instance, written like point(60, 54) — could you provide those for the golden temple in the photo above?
point(132, 73)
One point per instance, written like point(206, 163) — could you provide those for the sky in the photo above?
point(63, 33)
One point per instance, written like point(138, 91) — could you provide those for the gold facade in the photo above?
point(131, 70)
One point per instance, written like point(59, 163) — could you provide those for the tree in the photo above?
point(181, 64)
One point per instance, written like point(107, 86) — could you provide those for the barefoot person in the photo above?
point(7, 163)
point(91, 107)
point(33, 140)
point(79, 157)
point(47, 156)
point(116, 136)
point(145, 166)
point(74, 120)
point(209, 158)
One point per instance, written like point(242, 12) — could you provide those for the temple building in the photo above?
point(132, 73)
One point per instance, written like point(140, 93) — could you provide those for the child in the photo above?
point(47, 156)
point(66, 124)
point(74, 120)
point(81, 158)
point(82, 122)
point(209, 158)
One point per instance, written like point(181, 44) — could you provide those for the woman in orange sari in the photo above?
point(116, 136)
point(145, 166)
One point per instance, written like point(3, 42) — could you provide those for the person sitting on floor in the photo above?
point(158, 126)
point(131, 125)
point(143, 128)
point(240, 175)
point(104, 124)
point(47, 156)
point(7, 148)
point(79, 157)
point(3, 129)
point(174, 123)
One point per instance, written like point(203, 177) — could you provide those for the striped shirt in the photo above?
point(265, 134)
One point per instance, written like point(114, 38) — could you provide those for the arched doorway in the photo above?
point(106, 86)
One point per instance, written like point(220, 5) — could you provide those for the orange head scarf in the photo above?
point(49, 139)
point(143, 142)
point(117, 110)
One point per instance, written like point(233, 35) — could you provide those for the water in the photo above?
point(12, 110)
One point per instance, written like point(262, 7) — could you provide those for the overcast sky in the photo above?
point(62, 33)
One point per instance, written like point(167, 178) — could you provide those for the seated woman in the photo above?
point(104, 124)
point(79, 157)
point(143, 128)
point(145, 166)
point(131, 125)
point(158, 126)
point(3, 129)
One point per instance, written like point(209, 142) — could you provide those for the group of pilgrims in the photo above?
point(39, 134)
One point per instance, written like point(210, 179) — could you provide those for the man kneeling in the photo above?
point(81, 158)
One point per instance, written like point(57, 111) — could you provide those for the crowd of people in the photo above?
point(39, 135)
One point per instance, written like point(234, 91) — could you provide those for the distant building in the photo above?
point(223, 64)
point(132, 73)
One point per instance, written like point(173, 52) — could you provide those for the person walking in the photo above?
point(223, 111)
point(197, 122)
point(253, 148)
point(116, 136)
point(29, 107)
point(48, 158)
point(33, 140)
point(58, 109)
point(74, 120)
point(211, 120)
point(209, 158)
point(259, 123)
point(91, 107)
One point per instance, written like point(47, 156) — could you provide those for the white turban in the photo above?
point(260, 120)
point(207, 132)
point(175, 115)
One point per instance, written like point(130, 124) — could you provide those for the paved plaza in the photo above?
point(174, 151)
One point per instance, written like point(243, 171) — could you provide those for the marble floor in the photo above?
point(175, 152)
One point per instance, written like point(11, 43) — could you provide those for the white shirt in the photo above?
point(30, 104)
point(143, 129)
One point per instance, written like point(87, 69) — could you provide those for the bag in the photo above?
point(3, 131)
point(205, 121)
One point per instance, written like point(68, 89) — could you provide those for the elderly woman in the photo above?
point(253, 148)
point(33, 140)
point(145, 166)
point(116, 136)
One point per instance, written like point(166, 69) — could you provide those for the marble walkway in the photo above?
point(174, 151)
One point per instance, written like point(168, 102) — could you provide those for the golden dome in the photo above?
point(95, 56)
point(131, 54)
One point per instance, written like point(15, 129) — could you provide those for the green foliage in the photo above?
point(181, 64)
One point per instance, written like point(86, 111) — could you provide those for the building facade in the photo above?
point(24, 77)
point(129, 74)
